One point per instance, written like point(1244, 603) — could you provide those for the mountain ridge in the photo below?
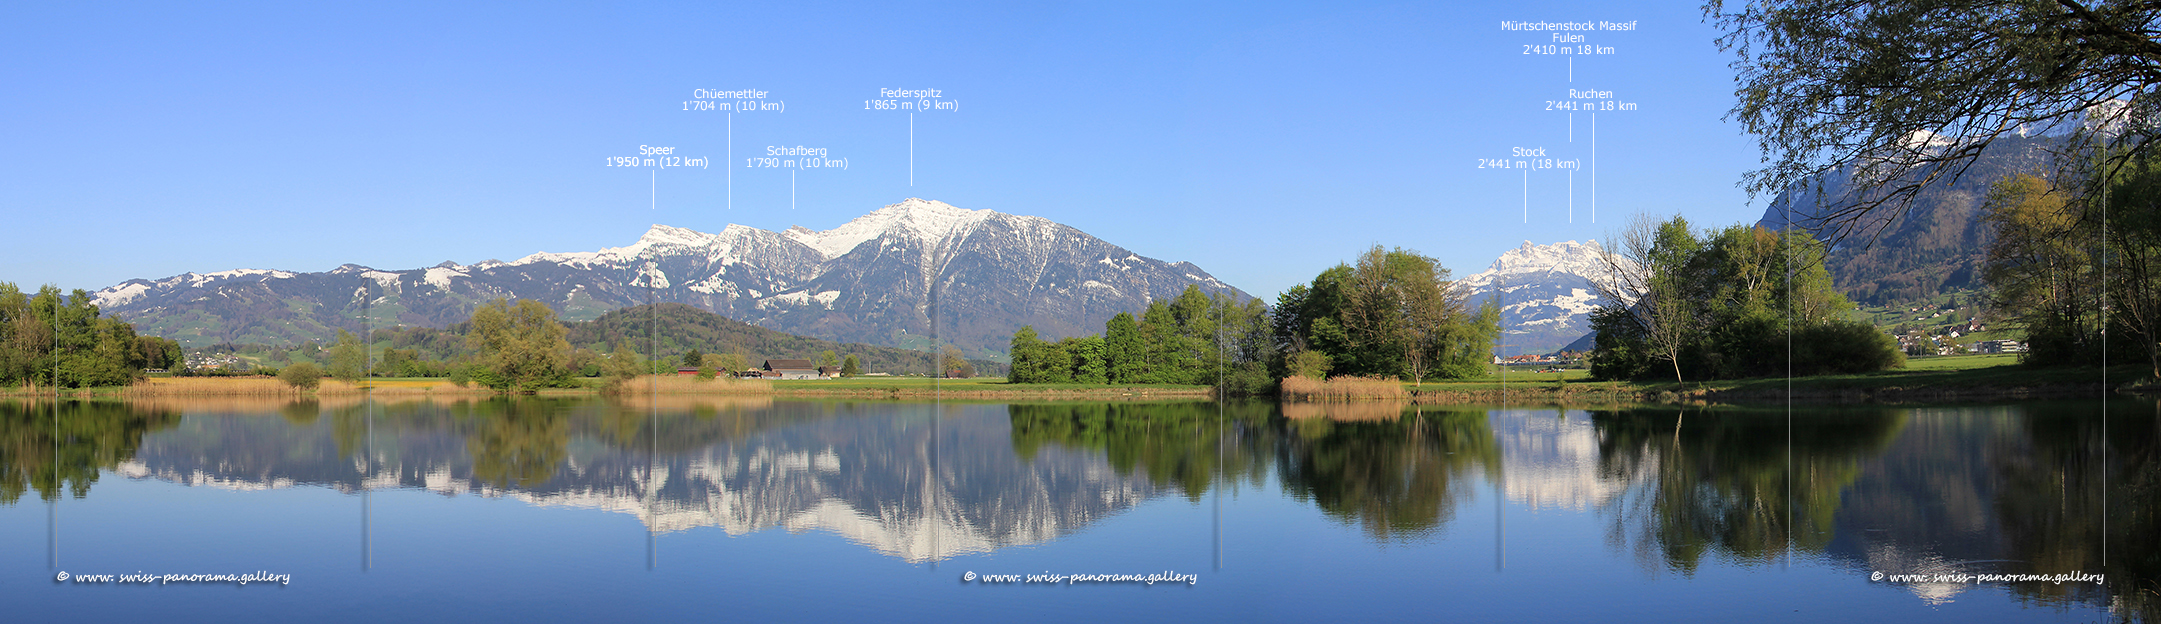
point(1936, 245)
point(882, 278)
point(1544, 292)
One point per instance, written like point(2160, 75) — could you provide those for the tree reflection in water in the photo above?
point(1394, 470)
point(515, 443)
point(2059, 499)
point(2134, 510)
point(2009, 489)
point(1178, 445)
point(2017, 488)
point(89, 437)
point(1400, 479)
point(1714, 482)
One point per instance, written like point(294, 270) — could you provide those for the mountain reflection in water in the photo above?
point(2021, 488)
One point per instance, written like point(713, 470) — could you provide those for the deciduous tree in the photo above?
point(523, 344)
point(1899, 96)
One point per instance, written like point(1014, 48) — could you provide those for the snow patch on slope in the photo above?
point(798, 298)
point(118, 295)
point(1545, 292)
point(1520, 265)
point(121, 294)
point(659, 240)
point(439, 277)
point(198, 279)
point(929, 221)
point(386, 279)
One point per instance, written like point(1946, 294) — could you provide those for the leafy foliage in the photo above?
point(1903, 96)
point(348, 358)
point(1725, 304)
point(304, 376)
point(1194, 339)
point(1393, 314)
point(674, 328)
point(523, 347)
point(952, 365)
point(91, 350)
point(2061, 254)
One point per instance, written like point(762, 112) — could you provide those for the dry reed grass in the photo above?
point(683, 384)
point(273, 387)
point(210, 386)
point(399, 387)
point(1341, 389)
point(270, 405)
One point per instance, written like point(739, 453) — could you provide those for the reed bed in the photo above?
point(1341, 389)
point(684, 384)
point(35, 391)
point(210, 386)
point(399, 387)
point(273, 387)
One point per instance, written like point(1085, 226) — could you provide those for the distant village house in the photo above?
point(790, 369)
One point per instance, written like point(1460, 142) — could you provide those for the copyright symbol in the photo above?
point(964, 577)
point(1875, 576)
point(63, 577)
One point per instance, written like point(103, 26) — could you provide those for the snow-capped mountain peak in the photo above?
point(1544, 292)
point(933, 222)
point(124, 292)
point(976, 274)
point(1530, 259)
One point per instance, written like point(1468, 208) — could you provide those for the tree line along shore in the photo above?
point(1387, 326)
point(1953, 379)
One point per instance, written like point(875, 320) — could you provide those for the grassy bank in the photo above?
point(980, 388)
point(1973, 377)
point(1561, 388)
point(1966, 377)
point(1952, 378)
point(650, 385)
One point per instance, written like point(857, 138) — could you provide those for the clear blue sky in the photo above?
point(1263, 142)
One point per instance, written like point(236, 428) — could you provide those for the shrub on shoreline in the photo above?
point(304, 376)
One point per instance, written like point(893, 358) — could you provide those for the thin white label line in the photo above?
point(731, 160)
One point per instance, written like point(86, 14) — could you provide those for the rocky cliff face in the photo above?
point(882, 278)
point(1933, 246)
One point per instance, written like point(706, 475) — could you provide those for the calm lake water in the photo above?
point(759, 510)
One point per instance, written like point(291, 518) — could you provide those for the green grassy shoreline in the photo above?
point(1934, 379)
point(1952, 378)
point(856, 387)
